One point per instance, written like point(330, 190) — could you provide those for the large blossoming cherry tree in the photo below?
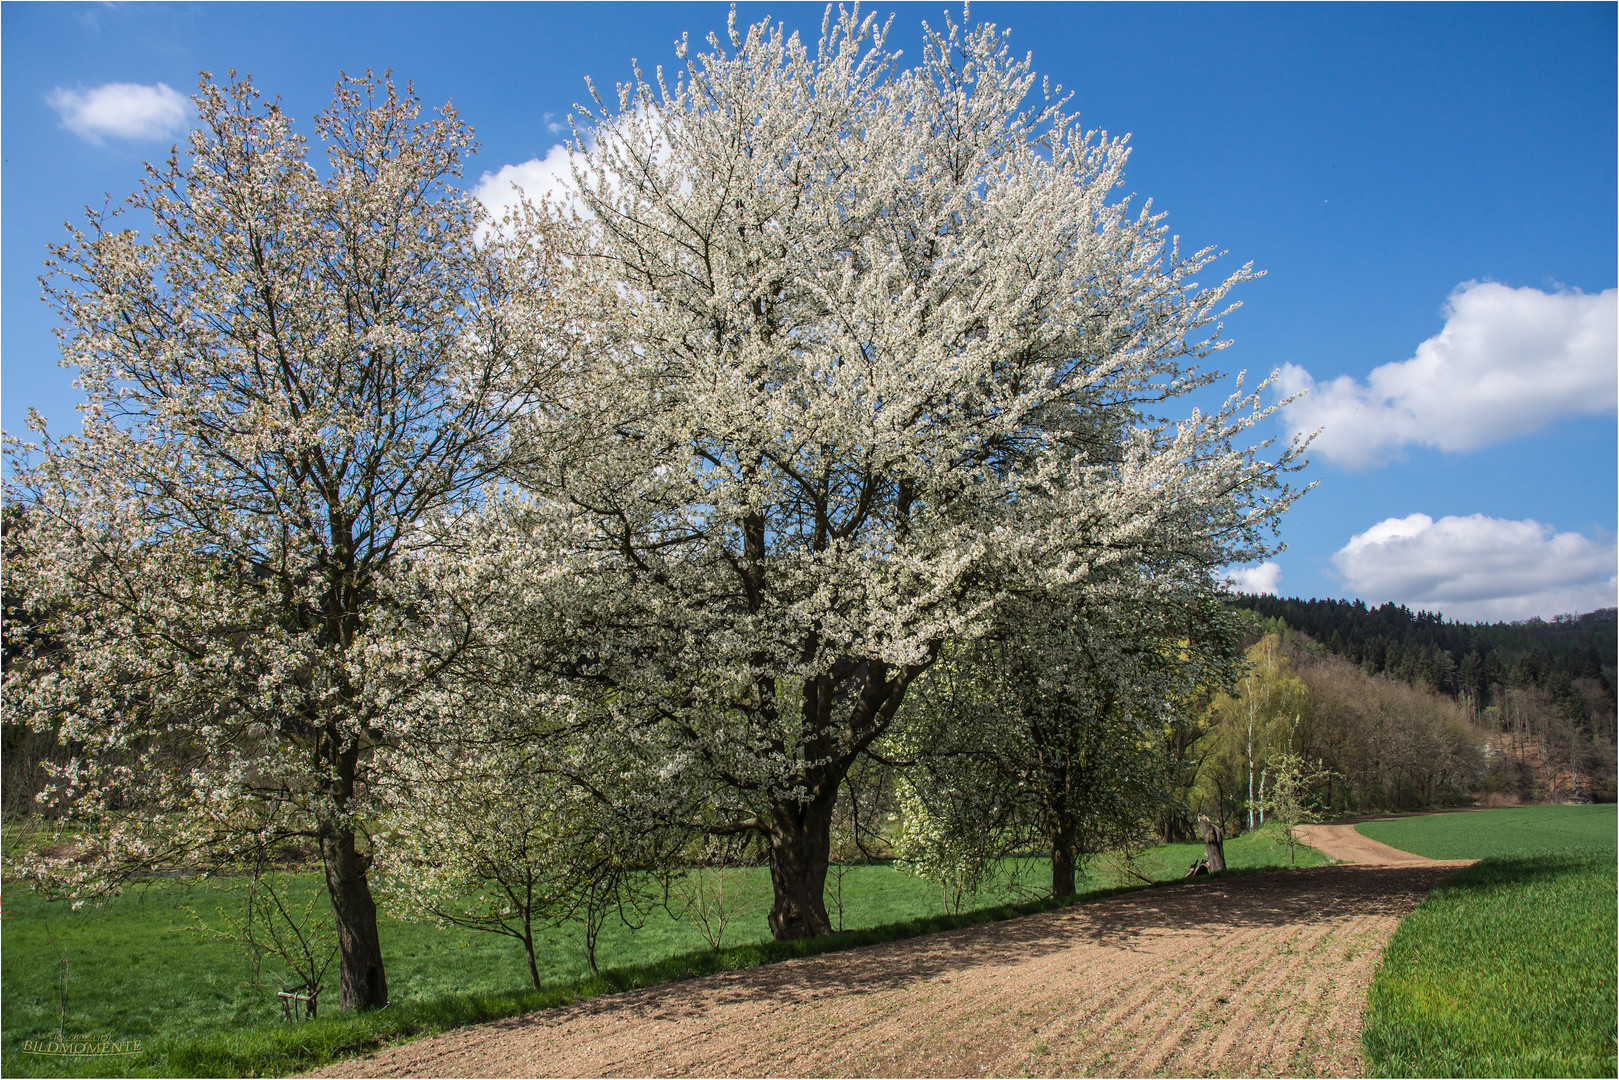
point(873, 349)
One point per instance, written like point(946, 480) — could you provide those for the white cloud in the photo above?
point(536, 178)
point(1507, 362)
point(1480, 568)
point(121, 110)
point(552, 175)
point(1266, 578)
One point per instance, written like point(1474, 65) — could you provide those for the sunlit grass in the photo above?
point(1508, 968)
point(1481, 834)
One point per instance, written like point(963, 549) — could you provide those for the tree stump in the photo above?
point(1213, 846)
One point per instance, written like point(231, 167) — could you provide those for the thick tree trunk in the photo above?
point(1062, 862)
point(800, 849)
point(361, 983)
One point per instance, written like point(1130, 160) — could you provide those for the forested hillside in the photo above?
point(1456, 658)
point(1542, 693)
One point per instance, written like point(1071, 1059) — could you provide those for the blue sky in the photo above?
point(1430, 190)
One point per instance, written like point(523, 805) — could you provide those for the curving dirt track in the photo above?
point(1343, 843)
point(1260, 976)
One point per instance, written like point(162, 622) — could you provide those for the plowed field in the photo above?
point(1261, 975)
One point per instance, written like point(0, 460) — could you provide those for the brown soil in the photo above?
point(1343, 843)
point(1262, 975)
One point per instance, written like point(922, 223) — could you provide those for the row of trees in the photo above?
point(1384, 744)
point(819, 432)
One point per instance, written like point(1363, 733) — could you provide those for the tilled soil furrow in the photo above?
point(934, 1046)
point(1279, 1001)
point(1252, 1040)
point(1132, 978)
point(1002, 1011)
point(1132, 1019)
point(1278, 998)
point(1128, 985)
point(1128, 1023)
point(1072, 1020)
point(1324, 1029)
point(1221, 969)
point(873, 1030)
point(912, 1044)
point(1206, 968)
point(1225, 970)
point(1314, 1011)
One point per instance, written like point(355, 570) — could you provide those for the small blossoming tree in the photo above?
point(289, 370)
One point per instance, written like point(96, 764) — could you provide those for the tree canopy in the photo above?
point(642, 514)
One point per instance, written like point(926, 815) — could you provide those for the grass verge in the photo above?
point(140, 973)
point(289, 1049)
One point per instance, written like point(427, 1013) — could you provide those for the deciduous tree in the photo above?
point(290, 369)
point(500, 840)
point(1295, 781)
point(1245, 726)
point(875, 347)
point(1048, 734)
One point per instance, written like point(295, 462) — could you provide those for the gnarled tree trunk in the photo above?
point(1213, 847)
point(800, 848)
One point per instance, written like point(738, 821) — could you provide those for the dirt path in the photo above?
point(1258, 976)
point(1343, 843)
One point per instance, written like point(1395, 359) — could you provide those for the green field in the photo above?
point(1483, 834)
point(138, 971)
point(1508, 968)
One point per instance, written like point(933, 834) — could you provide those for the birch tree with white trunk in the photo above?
point(289, 369)
point(873, 349)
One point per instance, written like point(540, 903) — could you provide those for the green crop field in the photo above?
point(1483, 834)
point(138, 971)
point(1508, 968)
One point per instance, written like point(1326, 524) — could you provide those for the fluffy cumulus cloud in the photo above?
point(1479, 568)
point(1507, 362)
point(536, 178)
point(122, 111)
point(552, 176)
point(1266, 578)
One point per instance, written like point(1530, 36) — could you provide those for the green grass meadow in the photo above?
point(139, 973)
point(1509, 967)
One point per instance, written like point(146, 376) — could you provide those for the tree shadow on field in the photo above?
point(1214, 908)
point(1526, 868)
